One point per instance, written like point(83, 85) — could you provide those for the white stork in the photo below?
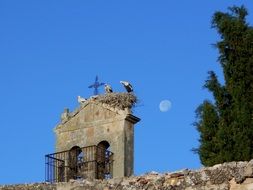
point(81, 100)
point(108, 88)
point(127, 86)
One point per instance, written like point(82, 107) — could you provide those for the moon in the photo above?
point(165, 105)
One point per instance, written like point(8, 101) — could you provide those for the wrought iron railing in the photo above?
point(79, 163)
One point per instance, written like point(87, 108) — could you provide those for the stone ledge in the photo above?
point(227, 176)
point(32, 186)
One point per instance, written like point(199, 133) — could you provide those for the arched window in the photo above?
point(76, 157)
point(104, 145)
point(104, 160)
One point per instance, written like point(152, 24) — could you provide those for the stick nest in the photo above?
point(118, 100)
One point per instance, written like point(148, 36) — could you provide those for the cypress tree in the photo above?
point(226, 124)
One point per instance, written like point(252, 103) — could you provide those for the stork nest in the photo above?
point(118, 100)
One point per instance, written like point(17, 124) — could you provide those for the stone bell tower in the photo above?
point(96, 140)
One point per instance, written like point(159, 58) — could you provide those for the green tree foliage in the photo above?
point(226, 124)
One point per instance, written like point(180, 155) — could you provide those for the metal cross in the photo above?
point(96, 85)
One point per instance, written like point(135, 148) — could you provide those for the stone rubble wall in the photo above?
point(34, 186)
point(227, 176)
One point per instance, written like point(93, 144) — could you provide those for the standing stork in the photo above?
point(127, 86)
point(81, 100)
point(108, 88)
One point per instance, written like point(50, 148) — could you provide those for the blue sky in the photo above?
point(50, 51)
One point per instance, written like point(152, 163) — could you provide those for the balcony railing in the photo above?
point(79, 163)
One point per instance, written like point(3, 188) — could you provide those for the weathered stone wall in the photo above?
point(34, 186)
point(94, 122)
point(227, 176)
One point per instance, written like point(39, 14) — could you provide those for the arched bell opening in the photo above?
point(104, 160)
point(76, 157)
